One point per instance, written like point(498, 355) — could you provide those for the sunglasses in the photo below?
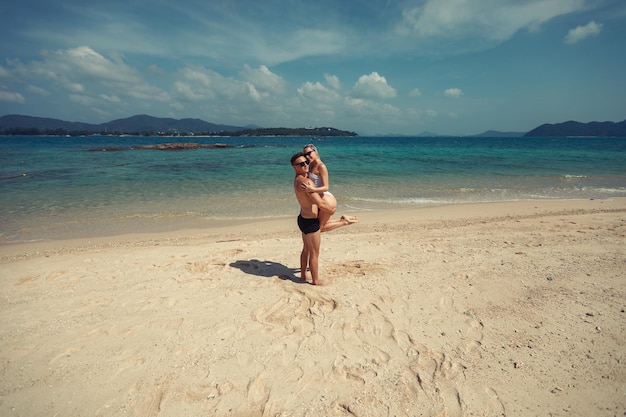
point(301, 164)
point(308, 153)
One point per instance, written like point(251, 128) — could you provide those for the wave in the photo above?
point(412, 200)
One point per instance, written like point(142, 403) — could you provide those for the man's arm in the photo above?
point(314, 198)
point(321, 203)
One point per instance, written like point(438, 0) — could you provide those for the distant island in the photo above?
point(573, 129)
point(143, 125)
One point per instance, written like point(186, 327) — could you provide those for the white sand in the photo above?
point(512, 309)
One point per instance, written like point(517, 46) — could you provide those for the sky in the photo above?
point(449, 67)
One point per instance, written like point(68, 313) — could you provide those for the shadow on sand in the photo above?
point(268, 269)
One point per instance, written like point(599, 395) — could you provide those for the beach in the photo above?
point(495, 309)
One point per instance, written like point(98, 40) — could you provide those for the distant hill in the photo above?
point(427, 134)
point(497, 134)
point(144, 123)
point(14, 124)
point(13, 121)
point(141, 124)
point(572, 128)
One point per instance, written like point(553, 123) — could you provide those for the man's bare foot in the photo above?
point(318, 283)
point(349, 219)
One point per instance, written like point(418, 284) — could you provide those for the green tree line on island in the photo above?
point(279, 131)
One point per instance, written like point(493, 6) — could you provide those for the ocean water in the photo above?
point(61, 187)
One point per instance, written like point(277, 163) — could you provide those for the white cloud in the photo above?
point(38, 90)
point(317, 92)
point(202, 77)
point(155, 69)
point(254, 93)
point(333, 81)
point(75, 87)
point(275, 47)
point(453, 92)
point(4, 73)
point(308, 42)
point(254, 32)
point(263, 79)
point(87, 74)
point(370, 109)
point(147, 93)
point(373, 86)
point(85, 63)
point(582, 32)
point(370, 115)
point(82, 100)
point(111, 99)
point(203, 84)
point(490, 20)
point(187, 93)
point(415, 92)
point(12, 97)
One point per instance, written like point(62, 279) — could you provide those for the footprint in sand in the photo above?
point(28, 280)
point(54, 275)
point(233, 252)
point(154, 397)
point(356, 268)
point(66, 353)
point(202, 267)
point(474, 332)
point(297, 305)
point(438, 378)
point(258, 391)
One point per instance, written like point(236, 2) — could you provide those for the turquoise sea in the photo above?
point(62, 187)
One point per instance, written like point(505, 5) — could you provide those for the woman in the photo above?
point(318, 174)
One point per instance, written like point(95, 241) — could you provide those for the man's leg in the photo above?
point(312, 243)
point(304, 258)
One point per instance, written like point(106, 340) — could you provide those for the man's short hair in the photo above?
point(296, 156)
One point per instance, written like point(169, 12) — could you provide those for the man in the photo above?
point(309, 224)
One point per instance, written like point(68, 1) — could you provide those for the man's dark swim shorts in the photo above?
point(308, 225)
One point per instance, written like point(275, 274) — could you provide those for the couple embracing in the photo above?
point(317, 205)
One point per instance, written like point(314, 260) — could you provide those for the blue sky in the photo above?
point(456, 67)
